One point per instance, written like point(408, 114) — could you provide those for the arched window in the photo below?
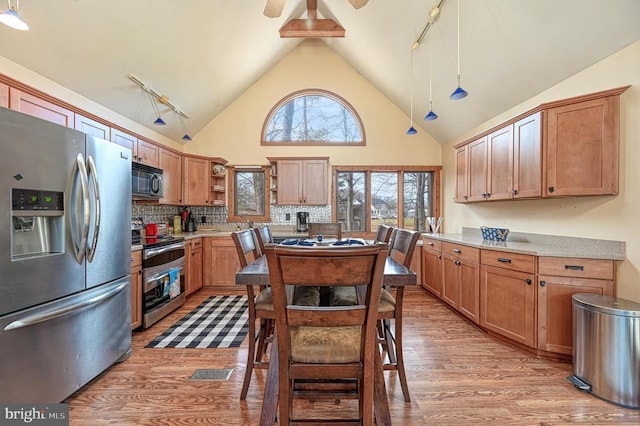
point(313, 117)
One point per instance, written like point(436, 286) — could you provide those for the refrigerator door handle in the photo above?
point(54, 312)
point(79, 249)
point(96, 227)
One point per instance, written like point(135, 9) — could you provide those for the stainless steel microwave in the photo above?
point(146, 182)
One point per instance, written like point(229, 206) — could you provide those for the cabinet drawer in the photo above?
point(462, 252)
point(136, 258)
point(575, 267)
point(507, 260)
point(431, 244)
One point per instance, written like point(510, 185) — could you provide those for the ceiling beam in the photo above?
point(311, 27)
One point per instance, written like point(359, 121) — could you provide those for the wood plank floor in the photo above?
point(457, 376)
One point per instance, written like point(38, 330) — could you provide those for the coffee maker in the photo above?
point(302, 222)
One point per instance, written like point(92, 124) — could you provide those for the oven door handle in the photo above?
point(155, 277)
point(148, 253)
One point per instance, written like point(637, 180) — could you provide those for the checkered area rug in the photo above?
point(219, 322)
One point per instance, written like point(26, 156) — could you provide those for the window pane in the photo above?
point(418, 203)
point(351, 208)
point(384, 199)
point(313, 118)
point(249, 193)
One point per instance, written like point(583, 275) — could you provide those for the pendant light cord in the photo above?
point(411, 90)
point(430, 92)
point(458, 39)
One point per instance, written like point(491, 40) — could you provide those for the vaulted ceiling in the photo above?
point(202, 54)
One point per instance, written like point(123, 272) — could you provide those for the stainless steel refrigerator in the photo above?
point(65, 238)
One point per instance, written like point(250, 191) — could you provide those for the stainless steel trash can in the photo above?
point(606, 348)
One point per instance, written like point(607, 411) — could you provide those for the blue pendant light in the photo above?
point(431, 115)
point(186, 136)
point(158, 121)
point(11, 18)
point(412, 130)
point(459, 93)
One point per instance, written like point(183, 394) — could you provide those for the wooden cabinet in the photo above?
point(462, 179)
point(432, 265)
point(218, 184)
point(502, 165)
point(136, 289)
point(4, 95)
point(461, 279)
point(92, 127)
point(143, 152)
point(196, 175)
point(582, 148)
point(193, 265)
point(580, 139)
point(302, 181)
point(171, 165)
point(527, 157)
point(220, 261)
point(507, 295)
point(477, 170)
point(558, 279)
point(41, 108)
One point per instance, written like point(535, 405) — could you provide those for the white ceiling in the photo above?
point(203, 54)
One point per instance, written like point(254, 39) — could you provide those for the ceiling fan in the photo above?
point(274, 8)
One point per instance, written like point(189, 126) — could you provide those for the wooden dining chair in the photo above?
point(328, 230)
point(383, 235)
point(260, 306)
point(263, 236)
point(401, 248)
point(326, 343)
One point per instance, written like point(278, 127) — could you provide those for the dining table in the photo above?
point(257, 274)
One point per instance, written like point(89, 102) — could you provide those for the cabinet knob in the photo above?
point(543, 283)
point(488, 195)
point(528, 281)
point(551, 189)
point(504, 260)
point(484, 195)
point(514, 192)
point(457, 251)
point(465, 197)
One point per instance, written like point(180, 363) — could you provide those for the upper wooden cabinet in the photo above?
point(38, 107)
point(302, 181)
point(502, 165)
point(582, 148)
point(171, 164)
point(4, 95)
point(196, 176)
point(92, 127)
point(580, 140)
point(143, 152)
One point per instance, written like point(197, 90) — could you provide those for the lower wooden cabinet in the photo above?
point(432, 266)
point(136, 289)
point(461, 279)
point(558, 280)
point(507, 304)
point(193, 265)
point(220, 261)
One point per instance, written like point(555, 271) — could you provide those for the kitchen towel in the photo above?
point(218, 322)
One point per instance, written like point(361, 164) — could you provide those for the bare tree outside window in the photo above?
point(409, 192)
point(313, 117)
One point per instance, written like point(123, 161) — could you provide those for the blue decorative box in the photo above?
point(494, 234)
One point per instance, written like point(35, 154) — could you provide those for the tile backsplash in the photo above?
point(160, 213)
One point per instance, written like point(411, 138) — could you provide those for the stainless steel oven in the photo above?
point(163, 281)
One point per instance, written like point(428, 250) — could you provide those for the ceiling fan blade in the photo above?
point(274, 8)
point(357, 4)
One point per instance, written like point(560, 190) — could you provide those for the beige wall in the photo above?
point(604, 217)
point(235, 133)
